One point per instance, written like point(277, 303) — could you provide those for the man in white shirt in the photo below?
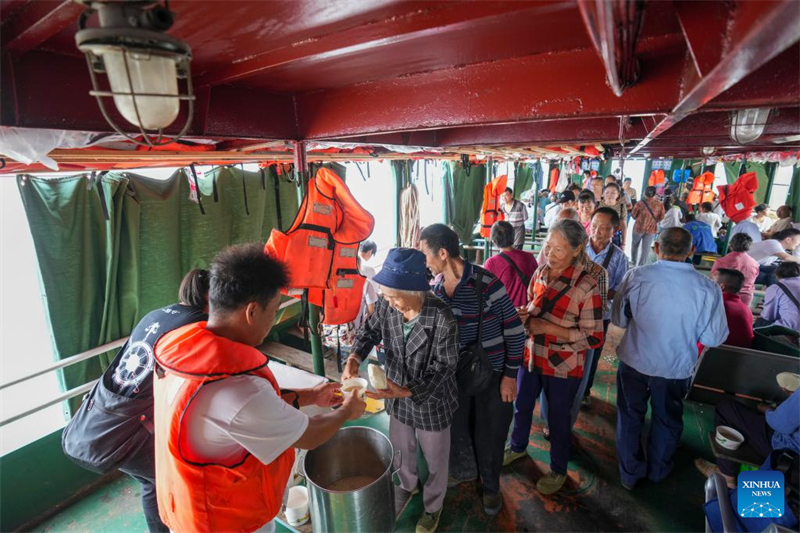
point(565, 199)
point(768, 252)
point(218, 405)
point(708, 216)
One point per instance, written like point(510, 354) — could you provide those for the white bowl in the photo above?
point(729, 438)
point(297, 506)
point(358, 385)
point(788, 380)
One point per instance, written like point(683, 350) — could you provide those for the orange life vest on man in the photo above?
point(320, 248)
point(491, 212)
point(209, 497)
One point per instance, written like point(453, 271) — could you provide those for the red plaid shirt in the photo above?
point(580, 310)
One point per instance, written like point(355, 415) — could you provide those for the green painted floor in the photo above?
point(592, 500)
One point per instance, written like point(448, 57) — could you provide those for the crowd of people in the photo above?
point(468, 350)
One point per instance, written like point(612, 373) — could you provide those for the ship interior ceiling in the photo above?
point(508, 79)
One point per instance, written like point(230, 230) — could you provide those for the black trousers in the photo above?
point(142, 468)
point(750, 423)
point(478, 436)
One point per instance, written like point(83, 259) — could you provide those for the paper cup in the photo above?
point(357, 385)
point(297, 506)
point(729, 438)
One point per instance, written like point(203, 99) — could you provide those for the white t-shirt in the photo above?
point(240, 414)
point(713, 220)
point(551, 214)
point(764, 251)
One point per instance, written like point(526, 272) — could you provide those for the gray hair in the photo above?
point(675, 242)
point(420, 295)
point(573, 232)
point(569, 213)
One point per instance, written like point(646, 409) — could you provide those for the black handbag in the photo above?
point(107, 429)
point(474, 373)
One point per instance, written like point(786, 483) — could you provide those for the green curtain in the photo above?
point(99, 277)
point(793, 199)
point(467, 194)
point(762, 171)
point(523, 180)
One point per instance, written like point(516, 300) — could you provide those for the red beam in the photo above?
point(614, 27)
point(36, 22)
point(705, 26)
point(764, 30)
point(547, 86)
point(415, 26)
point(572, 131)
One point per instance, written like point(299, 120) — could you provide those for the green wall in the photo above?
point(36, 478)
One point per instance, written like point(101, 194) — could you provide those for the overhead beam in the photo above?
point(36, 22)
point(759, 31)
point(614, 27)
point(546, 86)
point(417, 25)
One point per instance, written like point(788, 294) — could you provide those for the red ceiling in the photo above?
point(440, 73)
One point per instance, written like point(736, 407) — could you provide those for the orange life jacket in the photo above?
point(737, 199)
point(554, 175)
point(328, 214)
point(702, 189)
point(491, 212)
point(342, 301)
point(657, 178)
point(209, 497)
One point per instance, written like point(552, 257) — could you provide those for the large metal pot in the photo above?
point(354, 452)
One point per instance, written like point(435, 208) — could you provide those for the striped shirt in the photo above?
point(503, 334)
point(516, 215)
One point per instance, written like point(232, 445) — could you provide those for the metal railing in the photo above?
point(69, 361)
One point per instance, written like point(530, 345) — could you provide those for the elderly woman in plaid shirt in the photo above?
point(421, 338)
point(564, 319)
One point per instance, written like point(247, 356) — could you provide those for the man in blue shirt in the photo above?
point(605, 223)
point(480, 424)
point(657, 358)
point(702, 237)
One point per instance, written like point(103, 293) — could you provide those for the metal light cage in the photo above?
point(140, 41)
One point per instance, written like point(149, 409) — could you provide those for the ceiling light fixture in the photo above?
point(747, 125)
point(142, 63)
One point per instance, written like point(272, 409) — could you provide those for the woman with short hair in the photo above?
point(420, 334)
point(564, 319)
point(612, 197)
point(738, 259)
point(514, 268)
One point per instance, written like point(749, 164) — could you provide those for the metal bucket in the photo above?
point(357, 454)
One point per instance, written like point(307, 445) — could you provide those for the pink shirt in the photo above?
point(745, 264)
point(516, 289)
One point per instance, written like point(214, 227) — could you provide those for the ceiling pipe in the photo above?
point(614, 27)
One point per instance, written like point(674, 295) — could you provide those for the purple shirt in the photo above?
point(516, 289)
point(778, 308)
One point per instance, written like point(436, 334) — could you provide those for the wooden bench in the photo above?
point(298, 359)
point(728, 372)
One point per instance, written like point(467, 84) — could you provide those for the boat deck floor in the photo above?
point(592, 499)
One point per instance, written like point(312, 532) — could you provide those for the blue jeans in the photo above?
point(634, 389)
point(766, 275)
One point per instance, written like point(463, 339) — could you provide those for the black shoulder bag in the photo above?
point(473, 372)
point(522, 277)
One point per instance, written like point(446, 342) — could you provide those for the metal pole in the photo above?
point(317, 353)
point(536, 207)
point(770, 180)
point(727, 237)
point(487, 179)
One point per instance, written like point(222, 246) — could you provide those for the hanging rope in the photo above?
point(244, 190)
point(197, 189)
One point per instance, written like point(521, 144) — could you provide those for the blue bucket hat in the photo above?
point(404, 269)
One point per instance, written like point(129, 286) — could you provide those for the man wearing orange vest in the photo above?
point(225, 433)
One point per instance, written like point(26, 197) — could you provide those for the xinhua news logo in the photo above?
point(760, 494)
